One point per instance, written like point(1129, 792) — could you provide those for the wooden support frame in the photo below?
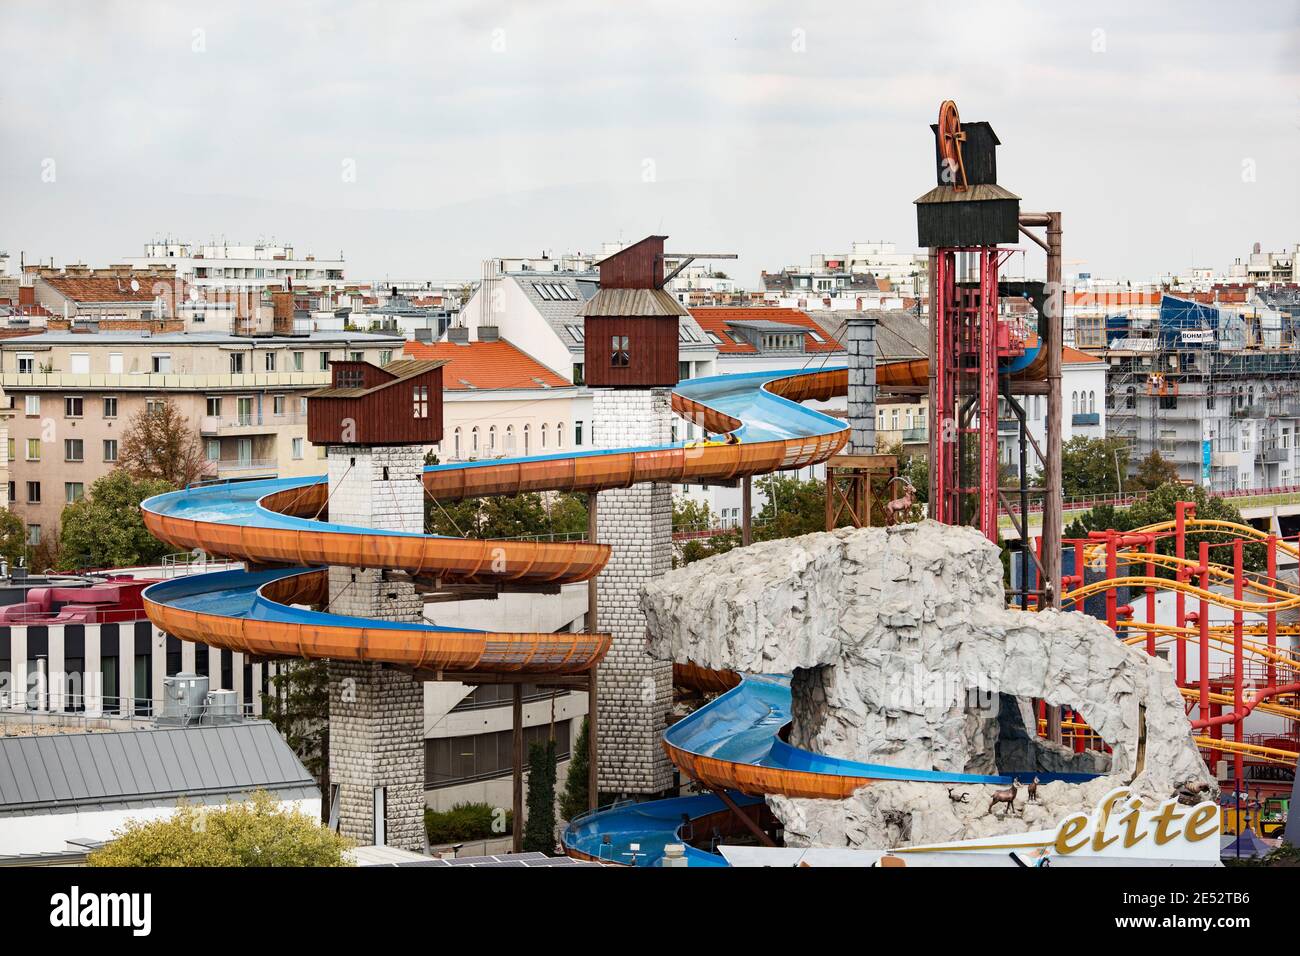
point(854, 484)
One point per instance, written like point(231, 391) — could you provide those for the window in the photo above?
point(214, 406)
point(577, 373)
point(110, 449)
point(1074, 402)
point(26, 363)
point(72, 449)
point(33, 449)
point(277, 404)
point(213, 449)
point(510, 439)
point(110, 406)
point(297, 449)
point(356, 357)
point(236, 363)
point(11, 450)
point(492, 439)
point(33, 405)
point(161, 362)
point(473, 442)
point(33, 534)
point(270, 361)
point(72, 406)
point(455, 445)
point(1167, 442)
point(79, 363)
point(73, 491)
point(576, 331)
point(385, 356)
point(34, 492)
point(297, 361)
point(559, 435)
point(577, 433)
point(1130, 397)
point(324, 361)
point(1092, 402)
point(683, 371)
point(618, 352)
point(527, 447)
point(350, 378)
point(114, 363)
point(244, 409)
point(420, 396)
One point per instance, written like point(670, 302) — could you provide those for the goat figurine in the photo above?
point(1032, 790)
point(898, 507)
point(958, 798)
point(1007, 796)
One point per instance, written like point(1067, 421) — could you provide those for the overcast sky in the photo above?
point(419, 138)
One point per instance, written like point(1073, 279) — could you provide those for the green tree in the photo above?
point(259, 832)
point(298, 705)
point(792, 508)
point(1154, 471)
point(509, 516)
point(1159, 506)
point(105, 529)
point(159, 442)
point(574, 799)
point(13, 537)
point(539, 828)
point(1091, 466)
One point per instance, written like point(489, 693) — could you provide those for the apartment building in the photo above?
point(224, 266)
point(73, 393)
point(1214, 389)
point(500, 402)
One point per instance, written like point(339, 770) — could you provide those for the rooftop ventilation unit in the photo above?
point(184, 698)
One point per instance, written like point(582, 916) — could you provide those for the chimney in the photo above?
point(458, 334)
point(861, 342)
point(488, 333)
point(282, 312)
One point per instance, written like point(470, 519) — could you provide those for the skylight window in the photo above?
point(815, 336)
point(544, 290)
point(575, 331)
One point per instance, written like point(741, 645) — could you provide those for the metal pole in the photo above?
point(1180, 599)
point(517, 713)
point(1203, 638)
point(934, 508)
point(1272, 615)
point(1238, 662)
point(746, 505)
point(593, 788)
point(1053, 526)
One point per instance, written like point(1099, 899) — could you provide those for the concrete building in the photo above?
point(223, 266)
point(1268, 268)
point(63, 794)
point(1214, 389)
point(72, 394)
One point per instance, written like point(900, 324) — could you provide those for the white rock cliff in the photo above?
point(903, 652)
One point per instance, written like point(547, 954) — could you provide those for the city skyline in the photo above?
point(421, 142)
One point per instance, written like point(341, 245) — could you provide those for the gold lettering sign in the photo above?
point(1119, 817)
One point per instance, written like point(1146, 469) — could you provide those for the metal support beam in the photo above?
point(746, 511)
point(744, 818)
point(517, 783)
point(593, 794)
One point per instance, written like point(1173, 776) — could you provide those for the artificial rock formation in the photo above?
point(902, 652)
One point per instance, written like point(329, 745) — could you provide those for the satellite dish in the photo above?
point(135, 285)
point(950, 139)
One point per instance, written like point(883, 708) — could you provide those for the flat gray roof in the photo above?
point(192, 338)
point(141, 768)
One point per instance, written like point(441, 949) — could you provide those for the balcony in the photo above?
point(1274, 455)
point(161, 381)
point(915, 435)
point(1007, 426)
point(228, 465)
point(251, 424)
point(1085, 418)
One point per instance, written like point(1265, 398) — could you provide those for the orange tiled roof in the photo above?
point(107, 288)
point(715, 318)
point(1113, 299)
point(486, 365)
point(1072, 355)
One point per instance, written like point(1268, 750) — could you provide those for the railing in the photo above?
point(211, 424)
point(243, 464)
point(82, 614)
point(1085, 418)
point(31, 710)
point(1088, 502)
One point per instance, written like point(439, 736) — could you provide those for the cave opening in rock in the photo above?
point(1021, 750)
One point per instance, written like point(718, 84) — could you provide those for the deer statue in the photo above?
point(1007, 796)
point(1032, 790)
point(958, 798)
point(898, 507)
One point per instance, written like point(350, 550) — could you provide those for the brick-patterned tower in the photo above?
point(376, 712)
point(860, 338)
point(631, 335)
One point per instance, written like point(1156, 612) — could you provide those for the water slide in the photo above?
point(280, 529)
